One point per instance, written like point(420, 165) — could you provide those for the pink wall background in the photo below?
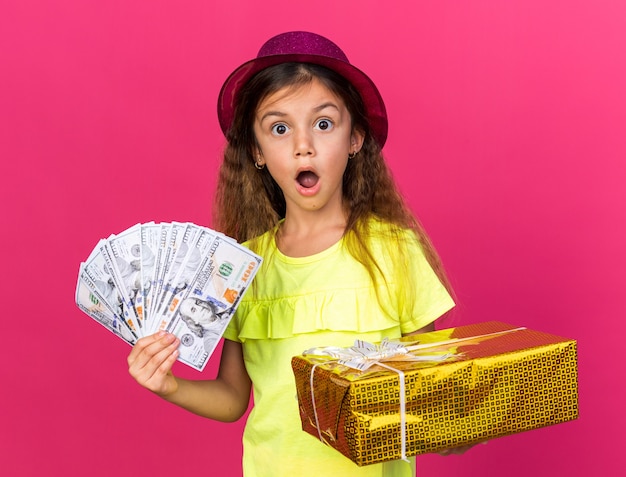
point(507, 134)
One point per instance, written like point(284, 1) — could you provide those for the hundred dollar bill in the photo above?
point(160, 252)
point(89, 301)
point(200, 316)
point(185, 268)
point(167, 247)
point(98, 269)
point(178, 277)
point(125, 252)
point(181, 238)
point(149, 247)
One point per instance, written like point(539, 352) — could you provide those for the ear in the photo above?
point(258, 157)
point(356, 140)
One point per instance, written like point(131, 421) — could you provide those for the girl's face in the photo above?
point(305, 135)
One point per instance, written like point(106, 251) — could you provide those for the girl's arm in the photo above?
point(224, 399)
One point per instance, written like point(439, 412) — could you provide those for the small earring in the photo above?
point(352, 155)
point(258, 164)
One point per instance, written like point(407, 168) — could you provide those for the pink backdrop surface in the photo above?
point(507, 135)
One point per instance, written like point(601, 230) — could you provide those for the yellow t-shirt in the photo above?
point(326, 299)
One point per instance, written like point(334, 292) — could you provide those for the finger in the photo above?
point(460, 449)
point(162, 361)
point(150, 356)
point(157, 373)
point(155, 353)
point(165, 367)
point(141, 344)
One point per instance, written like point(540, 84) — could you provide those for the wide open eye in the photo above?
point(324, 124)
point(279, 129)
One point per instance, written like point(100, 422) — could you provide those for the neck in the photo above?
point(301, 236)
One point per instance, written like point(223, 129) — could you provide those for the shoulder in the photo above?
point(262, 244)
point(391, 238)
point(376, 227)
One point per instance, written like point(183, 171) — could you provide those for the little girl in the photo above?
point(304, 184)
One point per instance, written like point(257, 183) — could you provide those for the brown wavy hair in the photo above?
point(249, 202)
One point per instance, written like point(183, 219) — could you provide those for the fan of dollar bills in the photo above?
point(178, 277)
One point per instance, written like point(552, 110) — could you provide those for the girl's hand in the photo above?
point(459, 450)
point(150, 363)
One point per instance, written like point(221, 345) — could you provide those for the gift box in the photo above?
point(454, 387)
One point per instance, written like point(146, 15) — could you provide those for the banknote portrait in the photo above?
point(201, 317)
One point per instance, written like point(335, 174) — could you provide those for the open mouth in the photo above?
point(307, 179)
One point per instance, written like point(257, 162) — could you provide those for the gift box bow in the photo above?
point(363, 355)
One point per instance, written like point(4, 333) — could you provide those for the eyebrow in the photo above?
point(316, 109)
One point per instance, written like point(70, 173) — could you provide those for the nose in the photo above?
point(303, 145)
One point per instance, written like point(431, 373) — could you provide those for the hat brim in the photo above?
point(374, 105)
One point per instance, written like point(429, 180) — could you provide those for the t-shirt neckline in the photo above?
point(309, 258)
